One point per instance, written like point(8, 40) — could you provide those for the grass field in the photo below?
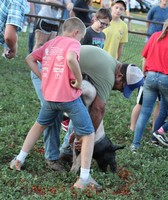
point(141, 176)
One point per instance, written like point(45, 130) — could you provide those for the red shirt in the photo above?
point(156, 54)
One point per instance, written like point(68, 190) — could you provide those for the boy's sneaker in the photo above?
point(134, 148)
point(161, 137)
point(15, 164)
point(89, 183)
point(65, 124)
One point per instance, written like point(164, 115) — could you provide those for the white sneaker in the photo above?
point(15, 164)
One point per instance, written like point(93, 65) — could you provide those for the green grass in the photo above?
point(140, 177)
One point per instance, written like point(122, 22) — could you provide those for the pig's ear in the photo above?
point(117, 147)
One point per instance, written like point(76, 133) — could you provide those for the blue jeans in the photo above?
point(31, 37)
point(76, 111)
point(155, 84)
point(160, 121)
point(51, 133)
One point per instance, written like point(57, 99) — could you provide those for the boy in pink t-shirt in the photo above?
point(61, 87)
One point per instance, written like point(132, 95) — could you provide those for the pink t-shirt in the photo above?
point(155, 53)
point(56, 75)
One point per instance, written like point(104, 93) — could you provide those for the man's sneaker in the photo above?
point(90, 183)
point(56, 165)
point(161, 137)
point(15, 164)
point(65, 124)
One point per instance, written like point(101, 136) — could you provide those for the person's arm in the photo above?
point(97, 111)
point(69, 5)
point(33, 65)
point(32, 12)
point(10, 37)
point(143, 65)
point(120, 48)
point(75, 68)
point(147, 24)
point(150, 16)
point(72, 13)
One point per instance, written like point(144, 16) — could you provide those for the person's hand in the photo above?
point(76, 84)
point(72, 138)
point(70, 6)
point(76, 143)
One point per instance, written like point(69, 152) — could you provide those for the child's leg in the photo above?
point(32, 136)
point(85, 132)
point(87, 150)
point(136, 110)
point(134, 116)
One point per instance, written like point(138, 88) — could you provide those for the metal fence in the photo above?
point(132, 49)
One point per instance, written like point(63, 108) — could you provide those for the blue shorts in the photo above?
point(11, 12)
point(76, 111)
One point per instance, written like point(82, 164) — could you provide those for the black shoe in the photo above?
point(161, 137)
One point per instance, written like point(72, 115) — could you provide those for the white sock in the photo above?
point(22, 155)
point(84, 174)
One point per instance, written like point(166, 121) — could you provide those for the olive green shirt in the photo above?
point(100, 67)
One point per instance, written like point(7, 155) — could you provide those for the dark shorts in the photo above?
point(46, 27)
point(140, 96)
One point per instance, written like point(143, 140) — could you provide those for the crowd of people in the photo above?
point(62, 56)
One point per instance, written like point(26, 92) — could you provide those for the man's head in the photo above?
point(128, 77)
point(74, 27)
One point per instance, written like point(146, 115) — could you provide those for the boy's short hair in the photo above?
point(119, 1)
point(103, 13)
point(73, 23)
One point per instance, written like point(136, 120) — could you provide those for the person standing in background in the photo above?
point(94, 35)
point(34, 10)
point(157, 13)
point(83, 15)
point(66, 12)
point(11, 21)
point(155, 65)
point(117, 32)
